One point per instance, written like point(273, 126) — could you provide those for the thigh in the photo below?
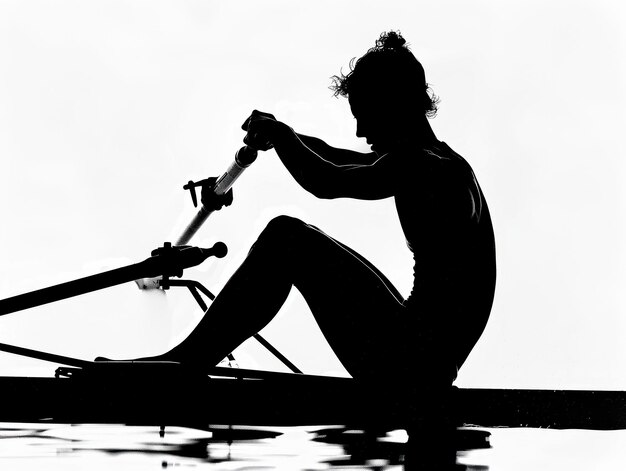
point(355, 305)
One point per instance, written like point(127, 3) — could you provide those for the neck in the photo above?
point(419, 133)
point(425, 133)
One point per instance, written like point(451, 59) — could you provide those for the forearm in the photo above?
point(300, 157)
point(322, 170)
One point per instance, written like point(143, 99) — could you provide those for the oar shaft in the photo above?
point(168, 260)
point(27, 352)
point(72, 288)
point(195, 224)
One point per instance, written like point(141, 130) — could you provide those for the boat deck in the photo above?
point(198, 401)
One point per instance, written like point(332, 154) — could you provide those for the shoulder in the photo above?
point(451, 183)
point(444, 161)
point(432, 167)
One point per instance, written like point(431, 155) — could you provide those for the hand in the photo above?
point(256, 115)
point(212, 201)
point(263, 130)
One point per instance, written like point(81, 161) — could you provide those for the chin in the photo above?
point(380, 150)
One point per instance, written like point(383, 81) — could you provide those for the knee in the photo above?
point(283, 226)
point(282, 232)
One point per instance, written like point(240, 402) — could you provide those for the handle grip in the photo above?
point(243, 159)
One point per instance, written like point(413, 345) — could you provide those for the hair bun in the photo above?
point(391, 40)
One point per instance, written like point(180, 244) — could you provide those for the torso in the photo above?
point(447, 225)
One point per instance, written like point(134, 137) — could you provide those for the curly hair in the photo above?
point(390, 63)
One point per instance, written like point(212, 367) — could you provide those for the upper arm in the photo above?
point(376, 180)
point(336, 155)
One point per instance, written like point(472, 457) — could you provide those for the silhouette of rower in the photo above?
point(442, 212)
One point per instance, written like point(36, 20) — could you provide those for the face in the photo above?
point(376, 122)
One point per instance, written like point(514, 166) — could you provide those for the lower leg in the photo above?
point(247, 303)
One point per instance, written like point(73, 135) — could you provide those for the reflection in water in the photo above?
point(94, 447)
point(222, 447)
point(420, 449)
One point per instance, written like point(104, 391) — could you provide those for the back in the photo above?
point(448, 227)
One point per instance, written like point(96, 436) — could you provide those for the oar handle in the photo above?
point(243, 159)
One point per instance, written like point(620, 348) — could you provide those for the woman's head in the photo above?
point(389, 67)
point(387, 87)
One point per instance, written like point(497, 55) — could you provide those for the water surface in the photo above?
point(119, 447)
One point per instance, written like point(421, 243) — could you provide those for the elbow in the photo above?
point(321, 185)
point(325, 191)
point(322, 193)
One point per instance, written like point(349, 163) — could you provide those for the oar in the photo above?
point(167, 260)
point(27, 352)
point(243, 159)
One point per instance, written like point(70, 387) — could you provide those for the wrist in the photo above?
point(282, 133)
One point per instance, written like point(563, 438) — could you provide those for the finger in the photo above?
point(251, 119)
point(261, 114)
point(253, 127)
point(246, 123)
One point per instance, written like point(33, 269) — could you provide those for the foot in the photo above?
point(170, 356)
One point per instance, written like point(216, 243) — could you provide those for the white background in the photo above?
point(108, 108)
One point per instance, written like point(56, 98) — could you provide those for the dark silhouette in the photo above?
point(441, 209)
